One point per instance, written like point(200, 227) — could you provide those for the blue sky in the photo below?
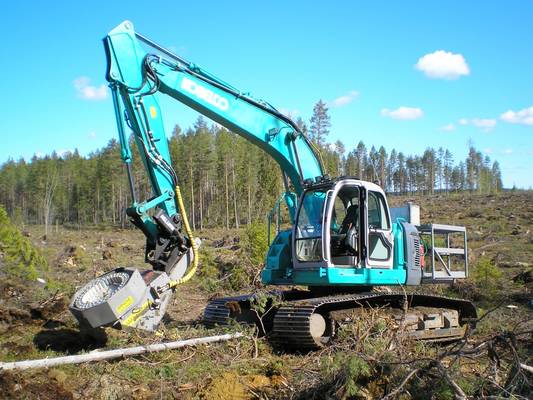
point(406, 75)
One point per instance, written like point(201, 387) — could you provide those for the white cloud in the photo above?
point(89, 92)
point(485, 124)
point(443, 65)
point(448, 128)
point(508, 151)
point(523, 117)
point(345, 99)
point(92, 135)
point(404, 113)
point(488, 150)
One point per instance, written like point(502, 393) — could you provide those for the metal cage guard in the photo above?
point(440, 252)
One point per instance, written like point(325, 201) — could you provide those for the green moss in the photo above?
point(202, 366)
point(137, 372)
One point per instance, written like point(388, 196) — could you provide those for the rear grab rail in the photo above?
point(446, 253)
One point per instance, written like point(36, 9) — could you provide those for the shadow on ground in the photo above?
point(69, 340)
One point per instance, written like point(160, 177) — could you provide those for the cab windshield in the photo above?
point(309, 226)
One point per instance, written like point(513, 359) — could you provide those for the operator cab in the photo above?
point(343, 223)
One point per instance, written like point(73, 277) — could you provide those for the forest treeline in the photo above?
point(226, 181)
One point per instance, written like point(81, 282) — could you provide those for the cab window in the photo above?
point(309, 226)
point(344, 228)
point(380, 248)
point(339, 214)
point(378, 217)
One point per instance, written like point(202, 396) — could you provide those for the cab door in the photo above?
point(379, 232)
point(341, 230)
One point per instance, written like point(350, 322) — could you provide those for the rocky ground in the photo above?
point(367, 360)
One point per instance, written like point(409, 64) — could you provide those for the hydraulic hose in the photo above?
point(190, 273)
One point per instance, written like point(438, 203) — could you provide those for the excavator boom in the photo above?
point(138, 70)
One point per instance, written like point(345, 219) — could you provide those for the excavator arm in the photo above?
point(138, 70)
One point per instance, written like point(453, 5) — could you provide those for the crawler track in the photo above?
point(305, 322)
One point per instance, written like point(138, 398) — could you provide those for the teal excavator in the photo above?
point(346, 249)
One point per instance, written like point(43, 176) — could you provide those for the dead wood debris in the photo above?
point(499, 364)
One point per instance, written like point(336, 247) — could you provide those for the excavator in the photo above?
point(345, 250)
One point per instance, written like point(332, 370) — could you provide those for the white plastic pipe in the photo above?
point(117, 353)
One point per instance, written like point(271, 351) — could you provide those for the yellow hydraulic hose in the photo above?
point(194, 246)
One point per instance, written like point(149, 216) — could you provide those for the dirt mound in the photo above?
point(72, 255)
point(49, 309)
point(10, 290)
point(14, 316)
point(38, 386)
point(28, 314)
point(228, 242)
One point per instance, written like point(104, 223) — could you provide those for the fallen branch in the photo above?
point(396, 391)
point(526, 367)
point(117, 353)
point(459, 394)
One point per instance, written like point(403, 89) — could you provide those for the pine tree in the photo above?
point(382, 166)
point(360, 160)
point(447, 170)
point(224, 148)
point(302, 126)
point(428, 163)
point(320, 123)
point(373, 162)
point(340, 150)
point(391, 171)
point(401, 178)
point(440, 168)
